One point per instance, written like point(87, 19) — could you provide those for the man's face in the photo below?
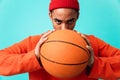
point(63, 18)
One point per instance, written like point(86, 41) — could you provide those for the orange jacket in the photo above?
point(20, 58)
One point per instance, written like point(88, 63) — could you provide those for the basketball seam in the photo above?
point(65, 63)
point(68, 43)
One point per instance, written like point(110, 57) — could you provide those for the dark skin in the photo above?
point(63, 18)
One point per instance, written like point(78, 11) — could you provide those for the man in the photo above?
point(24, 56)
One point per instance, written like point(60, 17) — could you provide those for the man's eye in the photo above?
point(70, 21)
point(58, 22)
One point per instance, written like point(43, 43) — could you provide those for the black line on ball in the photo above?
point(67, 43)
point(65, 63)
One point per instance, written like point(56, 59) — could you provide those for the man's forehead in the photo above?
point(61, 16)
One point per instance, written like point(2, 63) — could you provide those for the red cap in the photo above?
point(73, 4)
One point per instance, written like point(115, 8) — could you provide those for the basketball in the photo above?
point(64, 54)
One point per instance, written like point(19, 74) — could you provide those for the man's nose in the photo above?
point(64, 26)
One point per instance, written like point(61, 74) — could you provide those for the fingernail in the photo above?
point(82, 35)
point(87, 46)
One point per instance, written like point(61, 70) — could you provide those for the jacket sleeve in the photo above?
point(18, 58)
point(106, 60)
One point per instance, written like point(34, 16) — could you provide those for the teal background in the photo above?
point(22, 18)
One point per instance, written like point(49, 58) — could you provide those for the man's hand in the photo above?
point(89, 47)
point(40, 42)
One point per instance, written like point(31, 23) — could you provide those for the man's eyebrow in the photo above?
point(72, 19)
point(57, 20)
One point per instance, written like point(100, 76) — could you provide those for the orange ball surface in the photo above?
point(64, 54)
